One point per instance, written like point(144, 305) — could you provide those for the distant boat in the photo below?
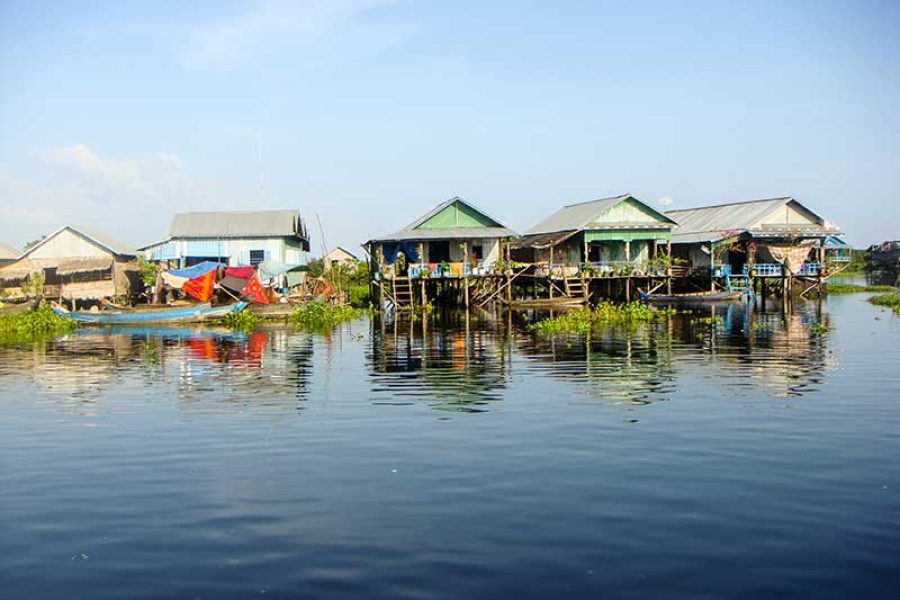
point(693, 297)
point(178, 314)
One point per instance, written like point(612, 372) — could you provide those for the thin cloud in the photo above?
point(128, 197)
point(236, 40)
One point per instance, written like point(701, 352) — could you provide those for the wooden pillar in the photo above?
point(550, 272)
point(669, 267)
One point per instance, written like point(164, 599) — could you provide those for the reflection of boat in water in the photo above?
point(180, 314)
point(693, 297)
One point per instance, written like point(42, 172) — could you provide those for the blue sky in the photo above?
point(115, 115)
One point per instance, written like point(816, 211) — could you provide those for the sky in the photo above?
point(364, 114)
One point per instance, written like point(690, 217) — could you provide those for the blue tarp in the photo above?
point(196, 271)
point(269, 269)
point(391, 249)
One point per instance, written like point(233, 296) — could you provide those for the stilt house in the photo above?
point(75, 265)
point(773, 237)
point(616, 235)
point(454, 239)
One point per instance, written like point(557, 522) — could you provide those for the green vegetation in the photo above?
point(148, 271)
point(242, 321)
point(34, 324)
point(852, 288)
point(821, 327)
point(604, 314)
point(891, 301)
point(320, 316)
point(359, 295)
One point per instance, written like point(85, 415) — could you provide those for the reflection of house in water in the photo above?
point(614, 365)
point(733, 346)
point(200, 366)
point(461, 367)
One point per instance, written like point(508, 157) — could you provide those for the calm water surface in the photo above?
point(752, 456)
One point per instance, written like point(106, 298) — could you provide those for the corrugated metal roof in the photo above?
point(8, 252)
point(101, 237)
point(411, 233)
point(579, 216)
point(543, 240)
point(713, 223)
point(97, 237)
point(232, 224)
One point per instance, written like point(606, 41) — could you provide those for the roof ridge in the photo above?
point(597, 200)
point(761, 200)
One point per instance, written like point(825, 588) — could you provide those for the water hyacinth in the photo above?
point(242, 321)
point(322, 316)
point(891, 301)
point(34, 324)
point(604, 314)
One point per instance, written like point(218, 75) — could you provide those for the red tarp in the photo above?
point(201, 287)
point(241, 272)
point(254, 291)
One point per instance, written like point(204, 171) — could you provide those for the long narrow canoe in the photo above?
point(178, 314)
point(693, 297)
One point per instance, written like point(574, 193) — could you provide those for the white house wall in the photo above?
point(236, 250)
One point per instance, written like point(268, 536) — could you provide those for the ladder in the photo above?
point(575, 287)
point(738, 283)
point(402, 292)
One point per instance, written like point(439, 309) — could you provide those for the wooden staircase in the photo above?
point(738, 283)
point(401, 292)
point(576, 287)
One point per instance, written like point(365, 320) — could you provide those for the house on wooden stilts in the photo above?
point(766, 244)
point(621, 240)
point(454, 252)
point(73, 265)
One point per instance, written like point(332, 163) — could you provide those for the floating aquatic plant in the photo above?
point(34, 324)
point(604, 314)
point(320, 316)
point(891, 301)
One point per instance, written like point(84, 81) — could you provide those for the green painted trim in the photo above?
point(627, 235)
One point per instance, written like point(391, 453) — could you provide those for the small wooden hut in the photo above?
point(73, 264)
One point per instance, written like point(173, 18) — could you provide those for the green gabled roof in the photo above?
point(583, 215)
point(453, 218)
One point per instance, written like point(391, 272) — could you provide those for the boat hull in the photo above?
point(182, 314)
point(690, 298)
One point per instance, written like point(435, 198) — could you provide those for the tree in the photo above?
point(315, 267)
point(33, 243)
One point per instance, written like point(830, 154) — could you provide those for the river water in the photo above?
point(750, 455)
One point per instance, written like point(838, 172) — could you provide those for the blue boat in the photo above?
point(177, 314)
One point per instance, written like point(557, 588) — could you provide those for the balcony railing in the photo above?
point(448, 270)
point(811, 269)
point(767, 270)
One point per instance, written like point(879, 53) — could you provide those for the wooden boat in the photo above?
point(559, 302)
point(179, 314)
point(693, 297)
